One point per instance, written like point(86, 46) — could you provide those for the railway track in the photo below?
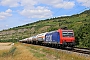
point(84, 51)
point(81, 51)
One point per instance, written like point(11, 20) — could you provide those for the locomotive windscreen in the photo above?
point(67, 34)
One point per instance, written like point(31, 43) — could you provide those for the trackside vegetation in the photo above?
point(9, 53)
point(21, 51)
point(44, 53)
point(80, 23)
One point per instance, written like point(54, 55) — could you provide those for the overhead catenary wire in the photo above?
point(74, 10)
point(81, 9)
point(60, 9)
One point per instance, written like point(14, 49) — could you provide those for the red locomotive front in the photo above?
point(67, 37)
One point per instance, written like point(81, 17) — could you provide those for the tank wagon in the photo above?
point(24, 40)
point(58, 38)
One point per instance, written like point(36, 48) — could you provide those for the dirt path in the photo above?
point(5, 46)
point(24, 53)
point(20, 53)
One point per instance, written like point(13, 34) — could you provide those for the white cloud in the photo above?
point(9, 11)
point(58, 3)
point(31, 10)
point(39, 12)
point(6, 25)
point(16, 3)
point(3, 26)
point(84, 2)
point(64, 15)
point(28, 3)
point(5, 14)
point(66, 4)
point(10, 3)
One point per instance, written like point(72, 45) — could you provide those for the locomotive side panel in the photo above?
point(52, 37)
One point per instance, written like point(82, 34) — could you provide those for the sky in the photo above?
point(19, 12)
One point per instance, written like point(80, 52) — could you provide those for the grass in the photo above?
point(59, 54)
point(17, 52)
point(34, 52)
point(9, 53)
point(23, 53)
point(38, 55)
point(3, 51)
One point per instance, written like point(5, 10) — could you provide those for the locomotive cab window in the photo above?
point(67, 34)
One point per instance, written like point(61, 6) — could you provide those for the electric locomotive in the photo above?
point(61, 37)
